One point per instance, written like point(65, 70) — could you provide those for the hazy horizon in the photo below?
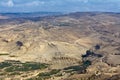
point(13, 6)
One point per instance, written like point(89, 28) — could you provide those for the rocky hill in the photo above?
point(64, 41)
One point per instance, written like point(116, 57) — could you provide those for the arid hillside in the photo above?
point(63, 42)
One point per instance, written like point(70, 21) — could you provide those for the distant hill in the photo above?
point(26, 15)
point(3, 17)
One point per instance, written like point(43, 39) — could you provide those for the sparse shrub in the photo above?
point(91, 53)
point(97, 47)
point(86, 63)
point(88, 53)
point(14, 73)
point(19, 43)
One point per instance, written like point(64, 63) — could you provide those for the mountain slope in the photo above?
point(64, 41)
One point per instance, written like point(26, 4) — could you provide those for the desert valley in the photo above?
point(74, 46)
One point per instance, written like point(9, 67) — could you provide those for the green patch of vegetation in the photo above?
point(11, 66)
point(1, 54)
point(47, 75)
point(54, 71)
point(86, 63)
point(13, 56)
point(59, 75)
point(28, 66)
point(35, 65)
point(73, 68)
point(79, 68)
point(4, 64)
